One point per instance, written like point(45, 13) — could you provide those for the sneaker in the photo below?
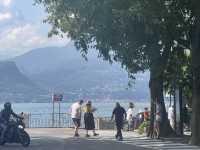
point(120, 139)
point(76, 135)
point(87, 135)
point(95, 134)
point(116, 136)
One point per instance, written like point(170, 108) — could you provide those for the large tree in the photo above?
point(140, 34)
point(195, 42)
point(134, 33)
point(189, 10)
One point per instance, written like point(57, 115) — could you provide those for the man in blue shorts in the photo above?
point(76, 116)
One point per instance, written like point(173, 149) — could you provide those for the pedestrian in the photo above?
point(171, 116)
point(120, 115)
point(186, 120)
point(76, 116)
point(89, 119)
point(140, 117)
point(157, 120)
point(146, 114)
point(137, 121)
point(130, 115)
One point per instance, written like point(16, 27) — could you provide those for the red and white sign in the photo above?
point(57, 97)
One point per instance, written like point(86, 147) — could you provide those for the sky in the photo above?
point(22, 28)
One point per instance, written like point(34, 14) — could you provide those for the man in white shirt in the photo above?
point(130, 116)
point(76, 115)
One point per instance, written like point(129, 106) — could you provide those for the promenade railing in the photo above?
point(62, 120)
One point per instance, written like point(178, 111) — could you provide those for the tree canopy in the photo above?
point(140, 34)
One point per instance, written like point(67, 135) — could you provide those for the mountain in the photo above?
point(15, 86)
point(64, 70)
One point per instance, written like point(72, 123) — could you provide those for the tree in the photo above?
point(190, 24)
point(138, 33)
point(196, 76)
point(125, 31)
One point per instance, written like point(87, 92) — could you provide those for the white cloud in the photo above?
point(5, 16)
point(5, 3)
point(20, 39)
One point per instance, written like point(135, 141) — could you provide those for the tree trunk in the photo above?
point(156, 91)
point(196, 83)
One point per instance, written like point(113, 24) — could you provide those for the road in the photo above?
point(72, 144)
point(62, 139)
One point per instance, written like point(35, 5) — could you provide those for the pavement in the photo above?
point(62, 139)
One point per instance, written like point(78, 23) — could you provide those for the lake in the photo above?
point(104, 109)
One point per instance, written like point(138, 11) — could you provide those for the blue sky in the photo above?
point(22, 29)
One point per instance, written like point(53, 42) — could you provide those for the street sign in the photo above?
point(57, 97)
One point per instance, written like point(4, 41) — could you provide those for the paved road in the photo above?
point(72, 144)
point(62, 139)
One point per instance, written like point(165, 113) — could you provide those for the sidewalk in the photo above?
point(62, 139)
point(133, 138)
point(130, 138)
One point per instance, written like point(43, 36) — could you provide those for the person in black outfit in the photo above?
point(186, 119)
point(5, 115)
point(89, 119)
point(120, 115)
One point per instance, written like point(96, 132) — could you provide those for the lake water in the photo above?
point(40, 114)
point(104, 109)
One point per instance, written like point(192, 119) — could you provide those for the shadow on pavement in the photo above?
point(46, 143)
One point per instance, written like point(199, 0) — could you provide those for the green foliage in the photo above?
point(103, 25)
point(144, 126)
point(140, 34)
point(127, 31)
point(178, 74)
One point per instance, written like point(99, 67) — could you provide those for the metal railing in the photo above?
point(48, 120)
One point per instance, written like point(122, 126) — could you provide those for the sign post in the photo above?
point(178, 111)
point(56, 98)
point(53, 120)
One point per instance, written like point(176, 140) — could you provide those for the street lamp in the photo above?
point(187, 52)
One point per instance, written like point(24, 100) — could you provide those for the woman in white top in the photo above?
point(171, 116)
point(130, 115)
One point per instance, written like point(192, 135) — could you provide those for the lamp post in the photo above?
point(187, 52)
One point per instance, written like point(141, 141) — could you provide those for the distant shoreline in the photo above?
point(95, 101)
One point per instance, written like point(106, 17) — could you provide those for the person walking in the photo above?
point(76, 116)
point(146, 114)
point(130, 115)
point(186, 120)
point(140, 118)
point(120, 115)
point(171, 116)
point(89, 119)
point(157, 120)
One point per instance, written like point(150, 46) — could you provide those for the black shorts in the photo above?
point(77, 122)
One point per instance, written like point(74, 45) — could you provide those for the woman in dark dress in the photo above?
point(89, 119)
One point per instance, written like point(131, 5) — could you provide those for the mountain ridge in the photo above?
point(64, 70)
point(14, 85)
